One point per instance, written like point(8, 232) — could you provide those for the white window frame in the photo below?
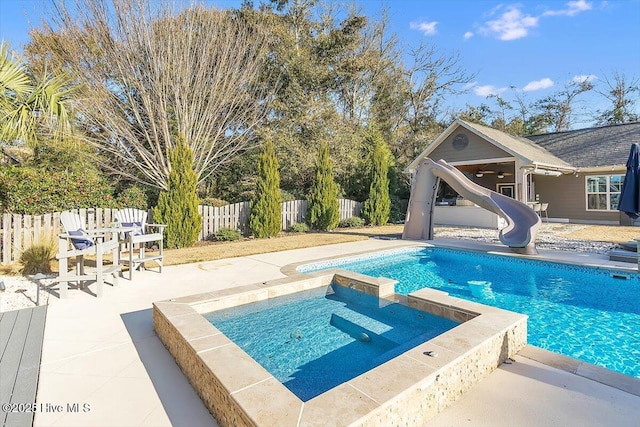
point(511, 185)
point(607, 193)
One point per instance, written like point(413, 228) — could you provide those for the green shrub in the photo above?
point(299, 227)
point(324, 211)
point(213, 201)
point(227, 235)
point(377, 207)
point(354, 221)
point(34, 191)
point(265, 217)
point(132, 197)
point(37, 258)
point(287, 196)
point(178, 205)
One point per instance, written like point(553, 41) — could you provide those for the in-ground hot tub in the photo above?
point(415, 379)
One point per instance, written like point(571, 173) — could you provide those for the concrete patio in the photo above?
point(102, 354)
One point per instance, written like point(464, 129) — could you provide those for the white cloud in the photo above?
point(469, 85)
point(468, 35)
point(538, 84)
point(427, 28)
point(488, 90)
point(572, 9)
point(584, 78)
point(514, 24)
point(511, 25)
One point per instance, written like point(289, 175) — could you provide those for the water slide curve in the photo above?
point(522, 221)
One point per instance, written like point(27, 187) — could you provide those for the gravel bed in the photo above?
point(20, 292)
point(550, 236)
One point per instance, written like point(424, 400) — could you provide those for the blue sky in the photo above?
point(532, 48)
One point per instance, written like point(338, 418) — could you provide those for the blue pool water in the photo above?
point(577, 311)
point(315, 340)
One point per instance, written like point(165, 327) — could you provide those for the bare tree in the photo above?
point(556, 110)
point(620, 92)
point(432, 77)
point(151, 74)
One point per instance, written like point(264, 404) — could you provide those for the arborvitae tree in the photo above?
point(324, 211)
point(377, 207)
point(178, 206)
point(265, 218)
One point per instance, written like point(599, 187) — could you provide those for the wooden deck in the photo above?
point(21, 336)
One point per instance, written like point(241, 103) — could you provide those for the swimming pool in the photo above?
point(586, 313)
point(316, 340)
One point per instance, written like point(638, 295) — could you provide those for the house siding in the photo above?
point(477, 149)
point(566, 196)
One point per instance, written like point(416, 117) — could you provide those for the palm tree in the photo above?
point(32, 108)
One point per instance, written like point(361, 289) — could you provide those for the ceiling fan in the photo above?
point(481, 172)
point(502, 174)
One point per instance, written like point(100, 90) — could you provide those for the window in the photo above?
point(603, 192)
point(507, 190)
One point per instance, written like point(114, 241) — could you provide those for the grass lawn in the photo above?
point(210, 251)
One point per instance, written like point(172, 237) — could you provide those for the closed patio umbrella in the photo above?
point(630, 196)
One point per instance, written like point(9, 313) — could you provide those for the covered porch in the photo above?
point(506, 164)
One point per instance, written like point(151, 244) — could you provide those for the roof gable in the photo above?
point(523, 149)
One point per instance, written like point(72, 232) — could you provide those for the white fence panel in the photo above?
point(21, 231)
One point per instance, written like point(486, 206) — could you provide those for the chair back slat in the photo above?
point(130, 215)
point(72, 221)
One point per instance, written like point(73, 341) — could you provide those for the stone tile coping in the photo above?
point(583, 259)
point(408, 389)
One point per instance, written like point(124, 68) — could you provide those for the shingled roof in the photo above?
point(592, 147)
point(606, 146)
point(528, 152)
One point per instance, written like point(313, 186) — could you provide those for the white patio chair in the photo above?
point(76, 242)
point(140, 236)
point(543, 210)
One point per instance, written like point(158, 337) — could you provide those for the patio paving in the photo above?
point(102, 354)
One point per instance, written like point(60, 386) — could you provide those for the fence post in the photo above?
point(6, 239)
point(17, 238)
point(27, 231)
point(99, 219)
point(47, 227)
point(211, 226)
point(56, 224)
point(37, 229)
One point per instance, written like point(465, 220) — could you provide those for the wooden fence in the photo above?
point(21, 231)
point(236, 216)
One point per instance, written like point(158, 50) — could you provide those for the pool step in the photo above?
point(381, 323)
point(360, 333)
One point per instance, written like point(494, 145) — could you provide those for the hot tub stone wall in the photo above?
point(380, 288)
point(215, 397)
point(407, 390)
point(454, 373)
